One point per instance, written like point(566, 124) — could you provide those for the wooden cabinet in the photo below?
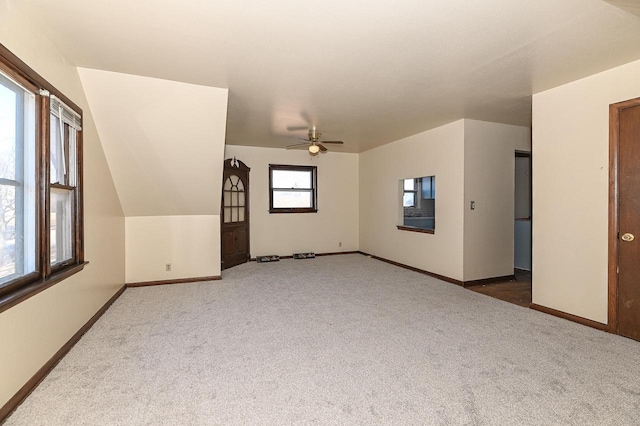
point(234, 214)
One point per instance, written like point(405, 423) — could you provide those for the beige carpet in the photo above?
point(335, 340)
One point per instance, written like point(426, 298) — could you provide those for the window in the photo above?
point(292, 189)
point(17, 181)
point(40, 183)
point(63, 180)
point(409, 196)
point(418, 204)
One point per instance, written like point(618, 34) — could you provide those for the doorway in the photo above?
point(522, 213)
point(624, 219)
point(517, 289)
point(234, 215)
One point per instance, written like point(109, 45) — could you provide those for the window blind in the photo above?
point(64, 113)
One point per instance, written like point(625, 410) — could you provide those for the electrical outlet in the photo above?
point(340, 244)
point(167, 267)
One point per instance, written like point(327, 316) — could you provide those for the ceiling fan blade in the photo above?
point(338, 142)
point(297, 145)
point(322, 147)
point(306, 118)
point(295, 128)
point(304, 139)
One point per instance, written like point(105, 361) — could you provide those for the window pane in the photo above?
point(8, 236)
point(291, 199)
point(8, 112)
point(409, 199)
point(409, 184)
point(61, 226)
point(17, 192)
point(57, 152)
point(428, 187)
point(291, 179)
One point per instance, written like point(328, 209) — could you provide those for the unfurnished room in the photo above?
point(340, 212)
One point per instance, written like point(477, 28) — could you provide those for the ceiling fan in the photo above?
point(313, 142)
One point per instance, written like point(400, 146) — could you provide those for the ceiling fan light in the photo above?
point(314, 149)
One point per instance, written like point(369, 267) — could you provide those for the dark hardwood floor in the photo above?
point(516, 291)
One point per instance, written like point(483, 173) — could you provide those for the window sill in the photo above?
point(23, 293)
point(413, 229)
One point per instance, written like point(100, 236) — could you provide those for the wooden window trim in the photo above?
point(61, 186)
point(313, 189)
point(414, 229)
point(23, 73)
point(26, 291)
point(45, 275)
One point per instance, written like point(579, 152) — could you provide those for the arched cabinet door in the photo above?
point(234, 213)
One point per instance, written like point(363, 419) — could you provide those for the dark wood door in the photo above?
point(629, 223)
point(234, 215)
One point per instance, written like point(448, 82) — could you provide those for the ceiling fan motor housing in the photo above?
point(313, 135)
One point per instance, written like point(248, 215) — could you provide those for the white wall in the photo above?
point(164, 141)
point(489, 180)
point(472, 160)
point(570, 190)
point(191, 244)
point(438, 152)
point(284, 234)
point(32, 331)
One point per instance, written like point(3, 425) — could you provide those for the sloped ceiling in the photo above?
point(164, 141)
point(631, 6)
point(366, 72)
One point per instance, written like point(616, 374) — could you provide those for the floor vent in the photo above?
point(304, 255)
point(269, 258)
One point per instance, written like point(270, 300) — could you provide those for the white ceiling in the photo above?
point(365, 72)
